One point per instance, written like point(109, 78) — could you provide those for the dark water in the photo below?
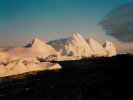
point(88, 79)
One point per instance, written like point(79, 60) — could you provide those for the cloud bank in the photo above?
point(119, 23)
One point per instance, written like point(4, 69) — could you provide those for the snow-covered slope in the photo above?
point(96, 47)
point(5, 57)
point(75, 46)
point(110, 49)
point(20, 60)
point(20, 66)
point(32, 50)
point(40, 46)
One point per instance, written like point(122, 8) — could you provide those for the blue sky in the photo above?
point(22, 20)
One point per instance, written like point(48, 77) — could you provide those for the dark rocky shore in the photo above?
point(86, 79)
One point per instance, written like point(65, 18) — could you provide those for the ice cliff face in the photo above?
point(110, 49)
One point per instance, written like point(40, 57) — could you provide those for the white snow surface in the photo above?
point(75, 46)
point(110, 49)
point(20, 66)
point(97, 49)
point(34, 49)
point(20, 60)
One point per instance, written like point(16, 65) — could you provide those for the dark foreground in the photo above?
point(88, 79)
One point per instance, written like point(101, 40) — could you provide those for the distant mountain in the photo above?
point(57, 44)
point(35, 43)
point(41, 47)
point(75, 45)
point(71, 48)
point(97, 49)
point(36, 48)
point(20, 60)
point(110, 49)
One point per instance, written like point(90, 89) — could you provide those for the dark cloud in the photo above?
point(119, 23)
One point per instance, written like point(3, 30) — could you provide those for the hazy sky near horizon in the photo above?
point(22, 20)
